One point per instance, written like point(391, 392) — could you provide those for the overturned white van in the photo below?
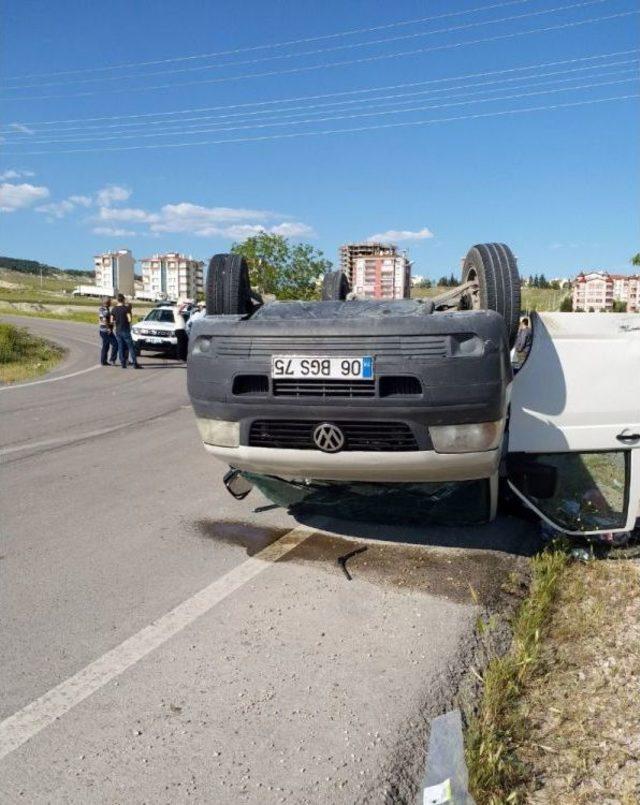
point(574, 428)
point(410, 409)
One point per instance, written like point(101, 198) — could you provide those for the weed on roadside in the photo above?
point(23, 355)
point(495, 731)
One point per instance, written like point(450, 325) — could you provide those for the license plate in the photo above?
point(320, 366)
point(151, 339)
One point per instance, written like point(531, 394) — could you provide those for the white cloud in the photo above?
point(56, 209)
point(126, 214)
point(113, 231)
point(15, 174)
point(21, 128)
point(195, 219)
point(401, 234)
point(292, 229)
point(81, 201)
point(111, 194)
point(59, 209)
point(17, 196)
point(202, 221)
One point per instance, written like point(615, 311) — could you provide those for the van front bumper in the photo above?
point(392, 467)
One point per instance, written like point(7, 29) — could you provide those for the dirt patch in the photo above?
point(465, 577)
point(583, 713)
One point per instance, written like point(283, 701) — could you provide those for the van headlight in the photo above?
point(219, 433)
point(476, 438)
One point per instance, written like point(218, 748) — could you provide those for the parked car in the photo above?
point(161, 330)
point(348, 400)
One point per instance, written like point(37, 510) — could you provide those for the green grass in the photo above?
point(493, 735)
point(542, 299)
point(84, 317)
point(23, 355)
point(532, 298)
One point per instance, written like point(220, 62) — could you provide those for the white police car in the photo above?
point(161, 330)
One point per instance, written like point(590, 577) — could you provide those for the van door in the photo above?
point(574, 429)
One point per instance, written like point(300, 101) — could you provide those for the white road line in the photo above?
point(23, 725)
point(51, 379)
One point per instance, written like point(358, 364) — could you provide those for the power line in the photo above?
point(252, 104)
point(316, 52)
point(325, 132)
point(375, 113)
point(286, 119)
point(8, 133)
point(307, 40)
point(368, 59)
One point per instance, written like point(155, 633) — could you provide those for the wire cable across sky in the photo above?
point(327, 65)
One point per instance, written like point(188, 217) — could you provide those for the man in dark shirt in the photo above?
point(121, 315)
point(523, 341)
point(106, 334)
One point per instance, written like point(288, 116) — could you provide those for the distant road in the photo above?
point(162, 642)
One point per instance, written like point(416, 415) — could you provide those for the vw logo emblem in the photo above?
point(328, 438)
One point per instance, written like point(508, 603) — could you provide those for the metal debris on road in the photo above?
point(342, 560)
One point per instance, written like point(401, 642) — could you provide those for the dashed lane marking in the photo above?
point(48, 708)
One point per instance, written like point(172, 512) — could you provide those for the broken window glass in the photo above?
point(576, 491)
point(444, 503)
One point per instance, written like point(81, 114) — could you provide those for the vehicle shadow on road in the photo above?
point(509, 535)
point(506, 534)
point(163, 365)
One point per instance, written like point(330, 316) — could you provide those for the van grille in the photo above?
point(288, 434)
point(250, 384)
point(319, 387)
point(383, 346)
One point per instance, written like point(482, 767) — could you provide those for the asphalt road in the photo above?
point(162, 642)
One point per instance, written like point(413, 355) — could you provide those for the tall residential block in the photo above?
point(172, 275)
point(376, 270)
point(598, 290)
point(115, 270)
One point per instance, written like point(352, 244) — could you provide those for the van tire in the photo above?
point(335, 286)
point(495, 269)
point(228, 290)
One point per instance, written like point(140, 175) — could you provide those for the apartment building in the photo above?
point(598, 290)
point(115, 270)
point(172, 275)
point(376, 270)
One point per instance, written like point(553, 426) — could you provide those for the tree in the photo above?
point(635, 260)
point(619, 306)
point(276, 266)
point(424, 283)
point(566, 306)
point(443, 282)
point(452, 280)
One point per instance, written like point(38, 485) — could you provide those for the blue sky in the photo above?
point(559, 185)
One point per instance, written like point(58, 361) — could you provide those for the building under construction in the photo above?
point(376, 270)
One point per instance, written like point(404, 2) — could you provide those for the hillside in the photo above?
point(33, 267)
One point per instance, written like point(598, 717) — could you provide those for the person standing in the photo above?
point(106, 334)
point(121, 315)
point(197, 313)
point(523, 342)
